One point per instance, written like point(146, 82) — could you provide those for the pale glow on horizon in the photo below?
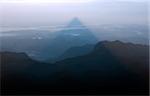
point(45, 1)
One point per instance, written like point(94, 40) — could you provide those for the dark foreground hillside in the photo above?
point(111, 68)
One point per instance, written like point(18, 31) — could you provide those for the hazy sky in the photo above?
point(30, 13)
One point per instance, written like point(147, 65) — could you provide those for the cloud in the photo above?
point(132, 0)
point(45, 1)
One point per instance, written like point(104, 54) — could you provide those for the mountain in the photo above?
point(111, 65)
point(74, 52)
point(132, 56)
point(134, 33)
point(110, 68)
point(18, 69)
point(15, 63)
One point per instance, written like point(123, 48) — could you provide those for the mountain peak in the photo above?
point(75, 22)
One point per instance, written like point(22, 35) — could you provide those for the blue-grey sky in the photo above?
point(30, 13)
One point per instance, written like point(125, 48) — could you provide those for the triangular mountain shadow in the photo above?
point(76, 29)
point(75, 23)
point(72, 36)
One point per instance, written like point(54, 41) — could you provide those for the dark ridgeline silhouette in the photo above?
point(109, 68)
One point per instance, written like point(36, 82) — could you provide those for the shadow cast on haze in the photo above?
point(76, 62)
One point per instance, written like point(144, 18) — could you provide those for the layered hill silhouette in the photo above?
point(110, 68)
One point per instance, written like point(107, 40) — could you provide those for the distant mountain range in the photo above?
point(110, 67)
